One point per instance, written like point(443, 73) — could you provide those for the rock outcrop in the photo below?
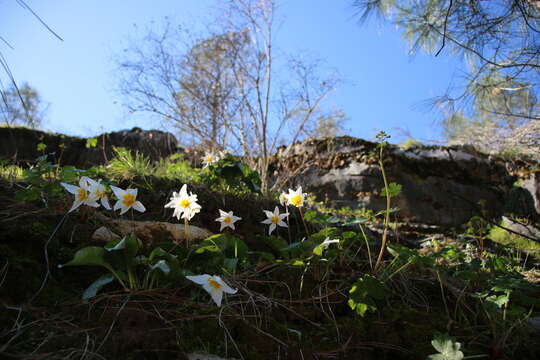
point(443, 186)
point(21, 145)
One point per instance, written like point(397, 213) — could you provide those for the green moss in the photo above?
point(504, 237)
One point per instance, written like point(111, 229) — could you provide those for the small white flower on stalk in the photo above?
point(127, 199)
point(97, 189)
point(82, 195)
point(275, 219)
point(214, 285)
point(185, 205)
point(227, 219)
point(210, 158)
point(283, 199)
point(296, 198)
point(327, 242)
point(318, 250)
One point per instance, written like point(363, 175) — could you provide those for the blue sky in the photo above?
point(383, 90)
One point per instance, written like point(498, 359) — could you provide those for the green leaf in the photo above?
point(91, 255)
point(310, 215)
point(93, 289)
point(91, 142)
point(364, 293)
point(230, 264)
point(447, 348)
point(318, 250)
point(355, 221)
point(393, 190)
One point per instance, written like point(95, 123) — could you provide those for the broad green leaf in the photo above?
point(93, 289)
point(91, 255)
point(230, 264)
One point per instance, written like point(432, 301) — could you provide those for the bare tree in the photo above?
point(22, 106)
point(279, 104)
point(228, 89)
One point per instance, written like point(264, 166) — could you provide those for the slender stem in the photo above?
point(117, 277)
point(288, 223)
point(367, 245)
point(387, 214)
point(303, 220)
point(186, 231)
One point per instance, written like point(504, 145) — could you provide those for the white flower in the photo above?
point(210, 158)
point(318, 250)
point(274, 219)
point(127, 199)
point(297, 197)
point(227, 219)
point(213, 285)
point(82, 195)
point(97, 189)
point(283, 199)
point(324, 245)
point(184, 204)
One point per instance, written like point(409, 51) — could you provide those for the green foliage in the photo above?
point(393, 190)
point(501, 236)
point(91, 142)
point(447, 348)
point(176, 168)
point(220, 252)
point(410, 143)
point(127, 264)
point(41, 147)
point(125, 165)
point(42, 180)
point(365, 293)
point(230, 174)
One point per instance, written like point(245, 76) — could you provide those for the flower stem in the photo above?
point(303, 220)
point(186, 231)
point(288, 223)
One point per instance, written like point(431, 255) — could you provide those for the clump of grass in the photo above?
point(11, 173)
point(126, 166)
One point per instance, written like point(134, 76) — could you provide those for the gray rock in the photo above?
point(443, 186)
point(20, 145)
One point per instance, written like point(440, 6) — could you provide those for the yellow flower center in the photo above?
point(82, 194)
point(129, 200)
point(296, 200)
point(274, 219)
point(100, 194)
point(185, 204)
point(214, 284)
point(227, 219)
point(283, 197)
point(209, 159)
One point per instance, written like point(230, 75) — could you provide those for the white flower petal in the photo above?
point(75, 205)
point(119, 193)
point(132, 192)
point(272, 227)
point(226, 288)
point(72, 189)
point(217, 295)
point(118, 205)
point(199, 279)
point(139, 206)
point(105, 203)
